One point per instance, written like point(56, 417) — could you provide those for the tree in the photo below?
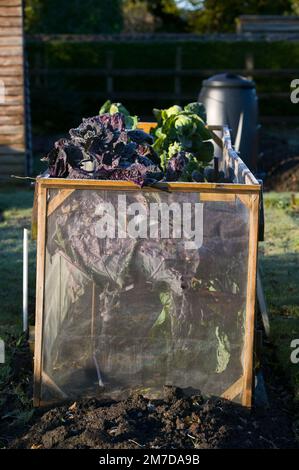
point(216, 16)
point(169, 14)
point(138, 18)
point(295, 7)
point(153, 15)
point(73, 17)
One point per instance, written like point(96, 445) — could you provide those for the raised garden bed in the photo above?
point(122, 314)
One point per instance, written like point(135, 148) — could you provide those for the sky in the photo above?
point(185, 4)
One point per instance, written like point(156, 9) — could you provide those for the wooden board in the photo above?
point(12, 114)
point(250, 302)
point(10, 51)
point(13, 81)
point(40, 272)
point(9, 31)
point(14, 21)
point(10, 3)
point(234, 390)
point(13, 71)
point(13, 90)
point(14, 100)
point(13, 149)
point(58, 200)
point(226, 188)
point(208, 197)
point(147, 126)
point(12, 139)
point(11, 110)
point(11, 60)
point(11, 129)
point(10, 120)
point(10, 40)
point(11, 11)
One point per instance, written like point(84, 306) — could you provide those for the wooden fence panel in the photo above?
point(41, 75)
point(12, 113)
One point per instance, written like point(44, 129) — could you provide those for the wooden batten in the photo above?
point(58, 200)
point(47, 380)
point(217, 139)
point(250, 302)
point(234, 390)
point(40, 281)
point(147, 126)
point(222, 188)
point(245, 199)
point(217, 197)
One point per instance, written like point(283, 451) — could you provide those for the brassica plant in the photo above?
point(114, 108)
point(109, 146)
point(182, 131)
point(108, 149)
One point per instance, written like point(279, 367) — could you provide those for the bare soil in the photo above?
point(174, 422)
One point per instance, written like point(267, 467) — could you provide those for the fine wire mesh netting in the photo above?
point(124, 313)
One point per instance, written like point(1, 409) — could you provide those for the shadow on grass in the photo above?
point(280, 277)
point(16, 196)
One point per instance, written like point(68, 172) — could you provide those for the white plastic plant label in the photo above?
point(2, 351)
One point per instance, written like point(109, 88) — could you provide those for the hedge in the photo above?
point(59, 101)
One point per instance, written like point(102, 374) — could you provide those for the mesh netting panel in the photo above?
point(148, 304)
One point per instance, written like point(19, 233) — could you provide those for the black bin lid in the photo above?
point(228, 80)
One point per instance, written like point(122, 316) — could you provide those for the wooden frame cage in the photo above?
point(244, 194)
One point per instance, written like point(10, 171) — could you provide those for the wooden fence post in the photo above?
point(177, 75)
point(37, 67)
point(109, 77)
point(249, 65)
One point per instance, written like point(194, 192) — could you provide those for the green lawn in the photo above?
point(279, 261)
point(15, 210)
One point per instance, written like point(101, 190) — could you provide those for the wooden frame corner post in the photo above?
point(40, 283)
point(250, 301)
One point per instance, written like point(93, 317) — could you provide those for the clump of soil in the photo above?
point(279, 162)
point(174, 422)
point(285, 176)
